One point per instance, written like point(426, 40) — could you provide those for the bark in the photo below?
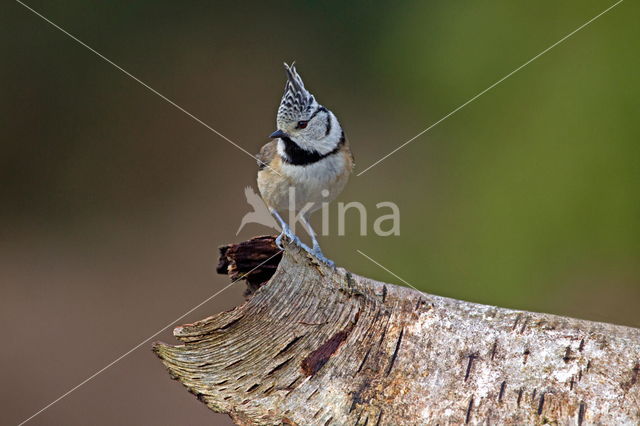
point(318, 346)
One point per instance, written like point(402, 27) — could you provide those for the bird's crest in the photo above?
point(297, 103)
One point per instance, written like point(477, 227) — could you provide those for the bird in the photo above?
point(308, 157)
point(259, 215)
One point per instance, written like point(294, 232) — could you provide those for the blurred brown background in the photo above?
point(113, 203)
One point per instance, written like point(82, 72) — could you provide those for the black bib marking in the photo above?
point(301, 157)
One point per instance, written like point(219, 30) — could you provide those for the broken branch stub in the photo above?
point(318, 346)
point(255, 261)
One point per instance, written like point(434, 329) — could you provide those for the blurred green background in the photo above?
point(113, 202)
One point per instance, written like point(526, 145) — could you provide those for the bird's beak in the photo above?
point(278, 134)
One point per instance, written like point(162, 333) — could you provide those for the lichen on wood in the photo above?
point(313, 345)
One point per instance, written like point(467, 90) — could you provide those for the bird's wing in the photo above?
point(350, 153)
point(266, 154)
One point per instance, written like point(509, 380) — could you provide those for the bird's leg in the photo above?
point(286, 231)
point(316, 251)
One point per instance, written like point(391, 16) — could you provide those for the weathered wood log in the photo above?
point(318, 346)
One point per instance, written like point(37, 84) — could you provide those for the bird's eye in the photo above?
point(302, 124)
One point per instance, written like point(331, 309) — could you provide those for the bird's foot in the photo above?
point(286, 231)
point(318, 255)
point(315, 251)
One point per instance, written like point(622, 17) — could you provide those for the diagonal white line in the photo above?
point(492, 86)
point(145, 85)
point(398, 277)
point(115, 361)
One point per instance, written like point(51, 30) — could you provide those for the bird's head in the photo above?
point(303, 120)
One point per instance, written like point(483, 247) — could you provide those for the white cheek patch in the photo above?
point(280, 150)
point(318, 141)
point(335, 133)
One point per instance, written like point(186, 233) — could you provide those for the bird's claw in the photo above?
point(279, 241)
point(291, 236)
point(315, 251)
